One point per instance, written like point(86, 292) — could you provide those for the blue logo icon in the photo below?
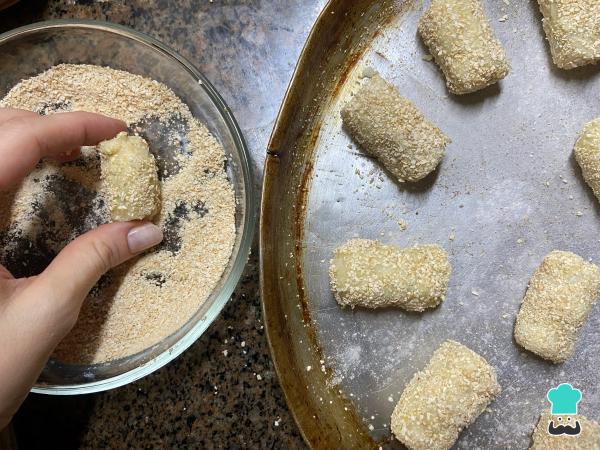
point(564, 400)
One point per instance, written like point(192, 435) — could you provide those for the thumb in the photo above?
point(47, 308)
point(77, 268)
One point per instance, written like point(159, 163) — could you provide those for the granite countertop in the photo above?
point(222, 392)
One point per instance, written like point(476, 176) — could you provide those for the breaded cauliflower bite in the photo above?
point(573, 30)
point(130, 178)
point(587, 155)
point(587, 439)
point(559, 298)
point(372, 275)
point(463, 44)
point(445, 397)
point(390, 128)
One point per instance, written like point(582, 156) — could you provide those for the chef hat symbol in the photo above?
point(564, 399)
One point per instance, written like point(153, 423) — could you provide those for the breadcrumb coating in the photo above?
point(462, 42)
point(587, 155)
point(440, 401)
point(573, 30)
point(393, 130)
point(588, 439)
point(372, 275)
point(559, 298)
point(130, 177)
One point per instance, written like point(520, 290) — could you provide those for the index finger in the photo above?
point(25, 139)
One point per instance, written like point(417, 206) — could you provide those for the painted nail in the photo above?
point(143, 237)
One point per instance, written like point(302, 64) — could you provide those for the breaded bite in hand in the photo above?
point(559, 298)
point(463, 44)
point(372, 275)
point(390, 128)
point(444, 398)
point(587, 439)
point(573, 30)
point(130, 178)
point(587, 155)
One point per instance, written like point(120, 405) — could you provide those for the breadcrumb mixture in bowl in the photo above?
point(145, 312)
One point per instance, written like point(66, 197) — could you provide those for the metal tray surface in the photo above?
point(507, 192)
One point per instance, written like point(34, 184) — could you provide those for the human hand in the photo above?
point(36, 313)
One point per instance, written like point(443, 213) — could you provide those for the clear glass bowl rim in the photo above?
point(249, 213)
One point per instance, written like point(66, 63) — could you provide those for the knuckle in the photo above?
point(19, 126)
point(18, 122)
point(105, 255)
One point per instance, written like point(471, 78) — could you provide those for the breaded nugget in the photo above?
point(587, 155)
point(130, 177)
point(444, 398)
point(463, 44)
point(390, 128)
point(559, 298)
point(587, 439)
point(369, 274)
point(573, 30)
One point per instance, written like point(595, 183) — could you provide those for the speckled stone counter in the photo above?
point(223, 392)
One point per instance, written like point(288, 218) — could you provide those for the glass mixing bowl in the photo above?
point(29, 50)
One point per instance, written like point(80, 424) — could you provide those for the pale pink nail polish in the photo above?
point(143, 237)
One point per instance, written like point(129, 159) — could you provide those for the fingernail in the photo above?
point(143, 237)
